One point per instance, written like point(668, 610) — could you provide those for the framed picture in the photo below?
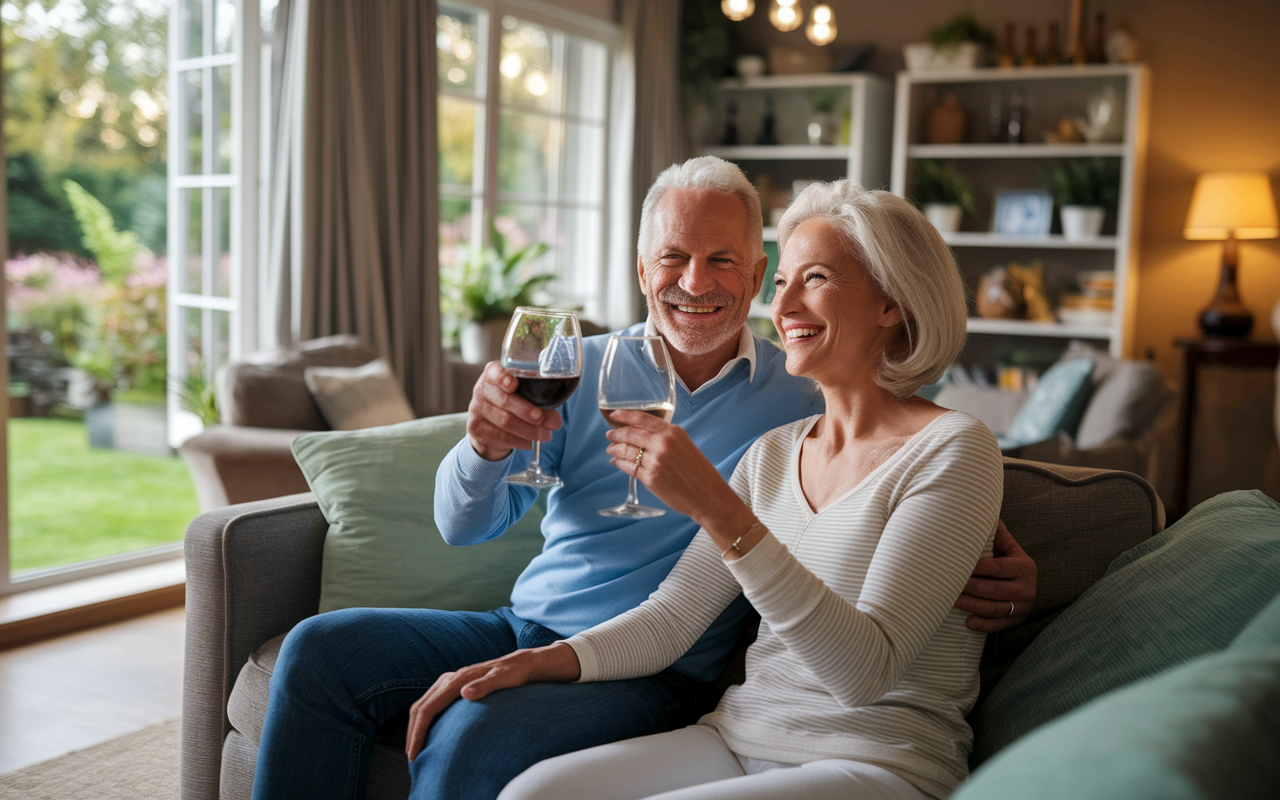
point(1023, 211)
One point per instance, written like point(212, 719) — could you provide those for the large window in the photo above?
point(523, 116)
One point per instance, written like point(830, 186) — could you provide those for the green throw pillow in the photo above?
point(1179, 595)
point(376, 488)
point(1208, 730)
point(1055, 405)
point(1263, 631)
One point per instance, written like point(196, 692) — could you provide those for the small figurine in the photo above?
point(1122, 45)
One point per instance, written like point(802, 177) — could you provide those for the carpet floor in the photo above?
point(142, 765)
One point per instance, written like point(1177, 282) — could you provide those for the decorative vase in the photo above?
point(1081, 222)
point(945, 123)
point(822, 128)
point(944, 216)
point(481, 342)
point(923, 57)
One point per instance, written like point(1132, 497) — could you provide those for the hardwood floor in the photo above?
point(77, 690)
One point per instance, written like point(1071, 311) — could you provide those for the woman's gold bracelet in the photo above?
point(736, 546)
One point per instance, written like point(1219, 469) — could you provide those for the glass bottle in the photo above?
point(729, 137)
point(768, 125)
point(1017, 117)
point(1052, 47)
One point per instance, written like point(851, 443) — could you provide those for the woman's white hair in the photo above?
point(909, 264)
point(709, 174)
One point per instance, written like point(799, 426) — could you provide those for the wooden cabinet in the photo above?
point(1044, 95)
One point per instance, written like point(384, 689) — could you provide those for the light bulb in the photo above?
point(786, 15)
point(822, 25)
point(738, 10)
point(536, 83)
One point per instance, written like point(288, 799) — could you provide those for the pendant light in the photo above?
point(822, 25)
point(786, 15)
point(738, 10)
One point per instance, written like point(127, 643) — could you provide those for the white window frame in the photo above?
point(485, 169)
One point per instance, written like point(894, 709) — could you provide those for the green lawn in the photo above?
point(68, 502)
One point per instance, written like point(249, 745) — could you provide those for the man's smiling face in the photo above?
point(701, 270)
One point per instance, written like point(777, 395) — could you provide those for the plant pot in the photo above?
point(481, 342)
point(922, 57)
point(822, 128)
point(141, 428)
point(99, 423)
point(1081, 222)
point(944, 216)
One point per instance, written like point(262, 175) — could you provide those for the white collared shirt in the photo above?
point(746, 349)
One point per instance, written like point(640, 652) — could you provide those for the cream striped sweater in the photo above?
point(860, 653)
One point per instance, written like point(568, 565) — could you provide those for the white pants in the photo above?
point(695, 764)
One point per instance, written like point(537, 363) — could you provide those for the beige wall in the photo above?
point(1215, 104)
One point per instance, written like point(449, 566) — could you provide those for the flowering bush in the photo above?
point(48, 295)
point(123, 344)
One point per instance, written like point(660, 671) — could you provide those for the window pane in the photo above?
point(222, 107)
point(191, 204)
point(526, 64)
point(580, 258)
point(457, 141)
point(193, 119)
point(583, 164)
point(192, 339)
point(220, 332)
point(192, 25)
point(525, 223)
point(586, 73)
point(222, 269)
point(459, 49)
point(524, 153)
point(456, 215)
point(224, 25)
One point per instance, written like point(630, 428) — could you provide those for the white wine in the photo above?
point(663, 411)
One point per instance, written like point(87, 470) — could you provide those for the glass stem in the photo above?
point(535, 466)
point(632, 498)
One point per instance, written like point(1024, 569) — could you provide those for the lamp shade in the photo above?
point(1232, 202)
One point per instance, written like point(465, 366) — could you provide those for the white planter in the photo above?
point(922, 57)
point(141, 428)
point(1081, 222)
point(944, 216)
point(481, 342)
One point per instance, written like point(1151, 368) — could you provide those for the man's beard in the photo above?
point(695, 342)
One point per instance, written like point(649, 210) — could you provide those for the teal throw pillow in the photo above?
point(1055, 405)
point(1208, 730)
point(1179, 595)
point(376, 488)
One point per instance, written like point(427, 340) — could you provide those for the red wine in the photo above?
point(663, 411)
point(546, 393)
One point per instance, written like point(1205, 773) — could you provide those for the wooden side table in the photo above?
point(1197, 353)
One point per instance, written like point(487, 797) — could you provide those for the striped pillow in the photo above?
point(351, 398)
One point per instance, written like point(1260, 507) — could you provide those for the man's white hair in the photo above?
point(710, 174)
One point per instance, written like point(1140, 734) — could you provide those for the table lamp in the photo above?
point(1230, 206)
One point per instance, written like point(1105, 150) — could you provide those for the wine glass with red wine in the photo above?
point(543, 350)
point(636, 375)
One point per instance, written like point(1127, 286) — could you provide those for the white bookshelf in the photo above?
point(1051, 92)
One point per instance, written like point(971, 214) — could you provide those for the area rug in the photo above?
point(142, 765)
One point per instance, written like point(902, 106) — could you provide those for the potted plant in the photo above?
point(822, 125)
point(943, 194)
point(956, 44)
point(492, 283)
point(1084, 191)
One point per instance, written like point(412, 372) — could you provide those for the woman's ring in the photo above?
point(640, 455)
point(1010, 605)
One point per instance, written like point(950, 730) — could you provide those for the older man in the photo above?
point(341, 675)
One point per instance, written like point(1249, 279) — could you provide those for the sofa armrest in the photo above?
point(233, 464)
point(253, 572)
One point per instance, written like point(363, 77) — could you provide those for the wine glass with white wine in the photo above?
point(543, 350)
point(636, 375)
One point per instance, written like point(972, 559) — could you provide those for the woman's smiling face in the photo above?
point(834, 322)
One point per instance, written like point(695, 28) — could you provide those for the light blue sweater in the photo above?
point(593, 568)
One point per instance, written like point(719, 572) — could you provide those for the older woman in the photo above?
point(852, 533)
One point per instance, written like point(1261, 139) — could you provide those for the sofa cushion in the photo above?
point(1055, 404)
point(1123, 405)
point(1205, 730)
point(351, 398)
point(266, 389)
point(1182, 594)
point(374, 486)
point(247, 706)
point(992, 407)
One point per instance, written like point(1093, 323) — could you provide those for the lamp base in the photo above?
point(1234, 323)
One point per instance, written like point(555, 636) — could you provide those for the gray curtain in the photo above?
point(648, 134)
point(362, 185)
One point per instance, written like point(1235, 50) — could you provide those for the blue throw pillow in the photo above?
point(1179, 595)
point(1056, 404)
point(1208, 730)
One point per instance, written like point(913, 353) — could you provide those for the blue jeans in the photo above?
point(342, 674)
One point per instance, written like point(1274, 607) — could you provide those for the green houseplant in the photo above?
point(957, 43)
point(1084, 191)
point(944, 194)
point(491, 283)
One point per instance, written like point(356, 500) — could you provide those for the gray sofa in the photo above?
point(264, 404)
point(253, 572)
